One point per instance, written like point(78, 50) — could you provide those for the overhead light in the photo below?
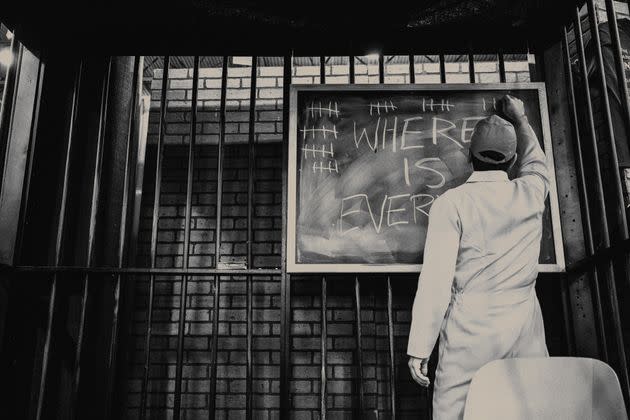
point(373, 56)
point(6, 57)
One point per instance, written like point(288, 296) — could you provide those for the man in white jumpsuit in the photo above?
point(477, 283)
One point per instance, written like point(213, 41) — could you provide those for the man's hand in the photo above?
point(419, 369)
point(513, 108)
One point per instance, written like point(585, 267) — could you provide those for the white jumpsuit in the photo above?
point(476, 289)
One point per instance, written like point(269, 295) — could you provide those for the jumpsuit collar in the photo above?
point(488, 176)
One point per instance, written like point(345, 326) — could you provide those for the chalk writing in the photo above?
point(318, 151)
point(330, 166)
point(386, 106)
point(442, 105)
point(371, 164)
point(326, 110)
point(323, 130)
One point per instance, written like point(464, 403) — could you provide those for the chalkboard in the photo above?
point(367, 161)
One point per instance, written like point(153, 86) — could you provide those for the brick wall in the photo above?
point(305, 358)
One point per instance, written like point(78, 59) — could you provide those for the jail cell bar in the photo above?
point(599, 259)
point(122, 272)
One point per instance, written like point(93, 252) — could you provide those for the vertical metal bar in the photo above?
point(222, 116)
point(29, 165)
point(358, 414)
point(591, 124)
point(154, 232)
point(72, 123)
point(532, 63)
point(621, 213)
point(607, 113)
point(285, 279)
point(584, 198)
point(609, 267)
point(91, 231)
point(621, 76)
point(442, 68)
point(46, 352)
point(96, 182)
point(392, 350)
point(566, 314)
point(322, 70)
point(471, 67)
point(8, 96)
point(250, 230)
point(129, 166)
point(217, 278)
point(323, 391)
point(249, 381)
point(359, 337)
point(381, 68)
point(412, 69)
point(501, 68)
point(351, 69)
point(184, 285)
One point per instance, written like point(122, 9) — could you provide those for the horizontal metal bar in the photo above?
point(599, 256)
point(140, 270)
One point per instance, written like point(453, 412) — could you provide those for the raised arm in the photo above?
point(531, 163)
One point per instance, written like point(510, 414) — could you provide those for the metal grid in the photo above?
point(600, 260)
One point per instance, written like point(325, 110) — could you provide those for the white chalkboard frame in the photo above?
point(294, 267)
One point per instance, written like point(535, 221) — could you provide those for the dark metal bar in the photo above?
point(392, 354)
point(534, 68)
point(442, 68)
point(217, 253)
point(359, 337)
point(351, 68)
point(96, 180)
point(94, 203)
point(29, 165)
point(323, 390)
point(72, 123)
point(251, 160)
point(9, 97)
point(285, 279)
point(501, 68)
point(122, 244)
point(619, 65)
point(471, 67)
point(140, 270)
point(322, 70)
point(46, 352)
point(217, 278)
point(584, 198)
point(250, 236)
point(412, 69)
point(249, 381)
point(60, 228)
point(381, 68)
point(621, 213)
point(591, 125)
point(184, 285)
point(566, 315)
point(609, 268)
point(607, 112)
point(154, 232)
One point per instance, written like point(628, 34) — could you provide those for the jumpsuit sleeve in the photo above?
point(434, 286)
point(531, 164)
